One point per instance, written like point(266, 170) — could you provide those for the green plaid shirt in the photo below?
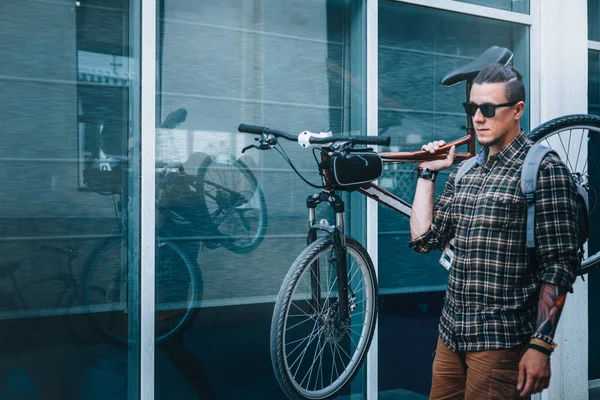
point(492, 294)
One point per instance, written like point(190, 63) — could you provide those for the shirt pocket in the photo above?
point(502, 210)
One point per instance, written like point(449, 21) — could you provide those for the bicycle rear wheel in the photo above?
point(313, 356)
point(235, 203)
point(106, 288)
point(576, 138)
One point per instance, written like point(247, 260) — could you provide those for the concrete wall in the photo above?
point(563, 90)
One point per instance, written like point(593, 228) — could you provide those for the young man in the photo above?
point(500, 313)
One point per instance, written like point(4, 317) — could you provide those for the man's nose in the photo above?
point(478, 117)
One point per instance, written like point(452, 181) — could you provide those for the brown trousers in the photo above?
point(474, 375)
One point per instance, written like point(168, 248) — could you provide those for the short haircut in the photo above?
point(514, 88)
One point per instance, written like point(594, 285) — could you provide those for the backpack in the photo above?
point(529, 174)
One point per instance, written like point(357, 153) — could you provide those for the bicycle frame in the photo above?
point(375, 192)
point(393, 202)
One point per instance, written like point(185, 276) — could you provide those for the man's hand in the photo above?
point(437, 165)
point(534, 373)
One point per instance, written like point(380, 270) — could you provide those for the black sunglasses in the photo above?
point(488, 110)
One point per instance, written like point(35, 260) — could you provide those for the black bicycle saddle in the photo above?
point(494, 54)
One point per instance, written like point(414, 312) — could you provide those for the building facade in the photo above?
point(122, 278)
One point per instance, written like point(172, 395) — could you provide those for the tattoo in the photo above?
point(552, 301)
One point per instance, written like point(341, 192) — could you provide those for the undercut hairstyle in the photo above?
point(514, 88)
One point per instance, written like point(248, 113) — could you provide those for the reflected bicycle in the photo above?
point(325, 313)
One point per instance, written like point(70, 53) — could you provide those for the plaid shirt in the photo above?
point(492, 294)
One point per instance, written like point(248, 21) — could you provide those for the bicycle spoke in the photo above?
point(295, 305)
point(342, 349)
point(313, 362)
point(321, 373)
point(580, 144)
point(301, 342)
point(299, 323)
point(304, 352)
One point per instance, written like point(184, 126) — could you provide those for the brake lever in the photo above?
point(249, 147)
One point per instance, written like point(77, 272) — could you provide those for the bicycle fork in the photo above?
point(337, 233)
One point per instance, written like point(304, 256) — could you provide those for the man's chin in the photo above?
point(485, 142)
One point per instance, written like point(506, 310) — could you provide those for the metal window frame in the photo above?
point(147, 239)
point(593, 45)
point(475, 10)
point(372, 73)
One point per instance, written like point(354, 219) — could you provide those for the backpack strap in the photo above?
point(464, 168)
point(529, 178)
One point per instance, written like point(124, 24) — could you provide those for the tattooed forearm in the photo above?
point(552, 300)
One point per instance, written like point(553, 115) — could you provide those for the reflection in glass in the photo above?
point(520, 6)
point(593, 282)
point(594, 82)
point(593, 10)
point(240, 219)
point(68, 77)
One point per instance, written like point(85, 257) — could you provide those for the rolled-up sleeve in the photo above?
point(441, 230)
point(556, 224)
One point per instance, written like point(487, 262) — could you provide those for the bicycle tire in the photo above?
point(101, 299)
point(569, 136)
point(292, 297)
point(229, 192)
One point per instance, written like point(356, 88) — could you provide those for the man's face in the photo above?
point(494, 131)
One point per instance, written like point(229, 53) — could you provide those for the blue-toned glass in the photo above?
point(69, 307)
point(520, 6)
point(232, 224)
point(594, 20)
point(594, 82)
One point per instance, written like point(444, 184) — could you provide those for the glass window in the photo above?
point(232, 224)
point(520, 6)
point(418, 46)
point(594, 281)
point(594, 20)
point(68, 308)
point(594, 82)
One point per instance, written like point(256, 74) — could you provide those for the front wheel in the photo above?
point(314, 354)
point(576, 139)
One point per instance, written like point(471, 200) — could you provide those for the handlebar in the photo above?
point(259, 130)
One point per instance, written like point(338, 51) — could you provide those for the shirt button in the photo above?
point(472, 199)
point(483, 174)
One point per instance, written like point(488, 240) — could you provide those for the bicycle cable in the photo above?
point(287, 159)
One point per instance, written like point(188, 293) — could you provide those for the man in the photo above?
point(500, 311)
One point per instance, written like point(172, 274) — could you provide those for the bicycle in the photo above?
point(219, 195)
point(324, 316)
point(218, 203)
point(105, 274)
point(52, 293)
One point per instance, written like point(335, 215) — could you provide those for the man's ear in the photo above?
point(519, 109)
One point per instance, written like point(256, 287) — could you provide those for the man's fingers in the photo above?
point(432, 147)
point(528, 389)
point(547, 383)
point(451, 153)
point(521, 379)
point(539, 385)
